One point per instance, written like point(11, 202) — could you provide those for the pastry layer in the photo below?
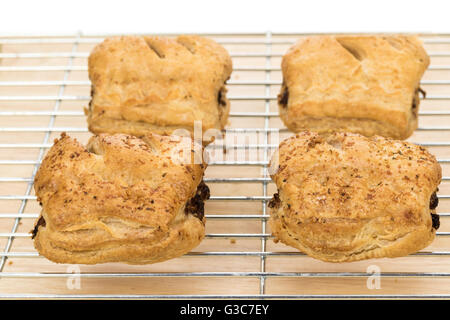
point(361, 84)
point(120, 199)
point(155, 84)
point(346, 197)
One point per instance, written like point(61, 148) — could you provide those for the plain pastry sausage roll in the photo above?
point(156, 84)
point(346, 197)
point(120, 199)
point(362, 84)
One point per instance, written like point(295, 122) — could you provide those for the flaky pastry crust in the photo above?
point(155, 84)
point(346, 197)
point(120, 199)
point(362, 84)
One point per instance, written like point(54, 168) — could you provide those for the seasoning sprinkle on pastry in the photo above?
point(155, 84)
point(346, 197)
point(361, 84)
point(120, 199)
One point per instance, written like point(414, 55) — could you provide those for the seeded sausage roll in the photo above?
point(154, 84)
point(120, 199)
point(361, 84)
point(346, 197)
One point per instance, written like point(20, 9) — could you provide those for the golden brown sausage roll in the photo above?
point(346, 197)
point(120, 199)
point(153, 84)
point(362, 84)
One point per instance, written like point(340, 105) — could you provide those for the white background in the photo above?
point(132, 16)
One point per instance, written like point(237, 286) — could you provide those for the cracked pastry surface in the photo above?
point(346, 197)
point(156, 84)
point(120, 199)
point(361, 84)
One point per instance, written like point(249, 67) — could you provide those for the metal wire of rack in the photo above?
point(43, 87)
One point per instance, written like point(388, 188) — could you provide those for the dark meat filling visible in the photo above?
point(221, 97)
point(41, 222)
point(92, 97)
point(196, 205)
point(283, 97)
point(434, 201)
point(435, 221)
point(275, 201)
point(423, 92)
point(416, 100)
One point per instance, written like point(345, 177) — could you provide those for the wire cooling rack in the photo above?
point(43, 89)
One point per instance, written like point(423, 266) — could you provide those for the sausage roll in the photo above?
point(120, 199)
point(153, 84)
point(362, 84)
point(346, 197)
